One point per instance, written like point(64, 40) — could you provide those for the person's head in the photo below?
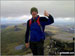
point(34, 11)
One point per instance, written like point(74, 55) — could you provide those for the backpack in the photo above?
point(30, 22)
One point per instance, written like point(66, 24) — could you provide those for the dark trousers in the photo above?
point(37, 48)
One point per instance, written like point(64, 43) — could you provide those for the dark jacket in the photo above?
point(36, 34)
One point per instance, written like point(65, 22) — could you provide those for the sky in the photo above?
point(19, 11)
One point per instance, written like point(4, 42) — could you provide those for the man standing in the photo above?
point(35, 27)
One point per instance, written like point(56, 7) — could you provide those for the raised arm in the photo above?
point(47, 21)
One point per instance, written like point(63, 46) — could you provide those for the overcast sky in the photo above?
point(18, 9)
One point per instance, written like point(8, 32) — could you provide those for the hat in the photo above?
point(33, 9)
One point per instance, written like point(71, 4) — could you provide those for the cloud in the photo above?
point(24, 18)
point(66, 19)
point(18, 8)
point(19, 11)
point(20, 19)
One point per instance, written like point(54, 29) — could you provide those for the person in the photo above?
point(35, 27)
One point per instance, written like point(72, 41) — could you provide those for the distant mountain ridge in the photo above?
point(3, 26)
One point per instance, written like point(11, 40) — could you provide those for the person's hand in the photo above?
point(27, 45)
point(46, 13)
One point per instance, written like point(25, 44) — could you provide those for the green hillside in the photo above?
point(13, 39)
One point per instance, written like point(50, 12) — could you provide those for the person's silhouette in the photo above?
point(36, 26)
